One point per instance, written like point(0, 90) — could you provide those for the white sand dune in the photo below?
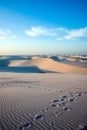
point(49, 65)
point(34, 57)
point(43, 101)
point(72, 59)
point(80, 59)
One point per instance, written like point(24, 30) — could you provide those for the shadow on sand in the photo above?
point(20, 69)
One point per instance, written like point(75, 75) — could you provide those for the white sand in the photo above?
point(43, 101)
point(33, 100)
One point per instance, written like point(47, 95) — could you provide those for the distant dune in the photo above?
point(49, 65)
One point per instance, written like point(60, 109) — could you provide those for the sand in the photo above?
point(47, 64)
point(43, 101)
point(43, 93)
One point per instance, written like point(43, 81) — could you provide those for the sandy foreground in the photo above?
point(43, 101)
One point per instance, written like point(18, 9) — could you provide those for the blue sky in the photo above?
point(43, 27)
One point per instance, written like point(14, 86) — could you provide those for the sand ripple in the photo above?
point(35, 108)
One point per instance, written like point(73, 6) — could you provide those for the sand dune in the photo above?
point(34, 57)
point(72, 59)
point(77, 59)
point(49, 65)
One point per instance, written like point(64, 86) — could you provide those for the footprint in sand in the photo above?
point(66, 109)
point(71, 94)
point(71, 100)
point(80, 94)
point(38, 117)
point(55, 100)
point(54, 103)
point(63, 103)
point(25, 126)
point(63, 97)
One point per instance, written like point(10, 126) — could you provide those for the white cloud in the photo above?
point(59, 33)
point(76, 33)
point(40, 31)
point(6, 34)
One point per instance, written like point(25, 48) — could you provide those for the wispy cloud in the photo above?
point(74, 34)
point(6, 34)
point(40, 31)
point(59, 33)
